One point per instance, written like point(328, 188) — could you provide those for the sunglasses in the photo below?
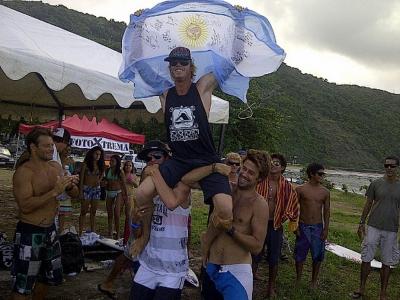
point(233, 163)
point(155, 156)
point(183, 63)
point(276, 162)
point(321, 174)
point(392, 166)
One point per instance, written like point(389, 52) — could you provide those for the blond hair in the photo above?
point(234, 156)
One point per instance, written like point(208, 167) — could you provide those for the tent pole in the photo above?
point(221, 139)
point(17, 151)
point(50, 91)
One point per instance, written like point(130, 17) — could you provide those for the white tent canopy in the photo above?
point(48, 67)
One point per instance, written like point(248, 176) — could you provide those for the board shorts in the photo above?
point(172, 170)
point(134, 260)
point(65, 208)
point(309, 239)
point(228, 282)
point(37, 257)
point(273, 241)
point(91, 192)
point(387, 242)
point(149, 285)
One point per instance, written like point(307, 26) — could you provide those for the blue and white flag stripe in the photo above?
point(233, 44)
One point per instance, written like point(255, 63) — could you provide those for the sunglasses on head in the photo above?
point(392, 166)
point(233, 163)
point(183, 63)
point(321, 174)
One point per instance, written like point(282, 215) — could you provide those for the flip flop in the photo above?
point(356, 295)
point(109, 294)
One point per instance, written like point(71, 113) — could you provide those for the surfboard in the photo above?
point(192, 279)
point(115, 244)
point(349, 254)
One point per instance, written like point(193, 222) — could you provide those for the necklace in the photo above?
point(269, 191)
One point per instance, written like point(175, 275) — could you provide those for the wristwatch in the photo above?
point(231, 231)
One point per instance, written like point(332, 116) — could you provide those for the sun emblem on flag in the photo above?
point(193, 31)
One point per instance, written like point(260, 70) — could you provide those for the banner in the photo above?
point(86, 142)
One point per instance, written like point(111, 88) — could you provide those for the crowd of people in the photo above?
point(249, 199)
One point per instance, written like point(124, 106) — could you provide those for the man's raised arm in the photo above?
point(206, 85)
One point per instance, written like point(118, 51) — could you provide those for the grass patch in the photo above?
point(338, 276)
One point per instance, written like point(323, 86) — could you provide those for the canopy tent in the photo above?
point(89, 128)
point(49, 68)
point(87, 133)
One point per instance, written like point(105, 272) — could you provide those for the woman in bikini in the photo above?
point(115, 192)
point(131, 182)
point(92, 172)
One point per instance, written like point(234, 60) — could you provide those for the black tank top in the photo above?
point(188, 130)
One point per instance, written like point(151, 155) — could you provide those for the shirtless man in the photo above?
point(186, 107)
point(283, 205)
point(36, 184)
point(228, 272)
point(314, 221)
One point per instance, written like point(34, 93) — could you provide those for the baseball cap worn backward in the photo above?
point(179, 53)
point(61, 133)
point(152, 146)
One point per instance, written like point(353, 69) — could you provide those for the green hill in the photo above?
point(297, 114)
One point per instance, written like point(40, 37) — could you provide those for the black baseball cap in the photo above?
point(180, 53)
point(61, 135)
point(154, 145)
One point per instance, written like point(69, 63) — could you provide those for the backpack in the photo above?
point(72, 258)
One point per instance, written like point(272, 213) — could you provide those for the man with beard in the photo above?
point(228, 271)
point(36, 184)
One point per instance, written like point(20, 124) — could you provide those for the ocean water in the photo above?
point(353, 180)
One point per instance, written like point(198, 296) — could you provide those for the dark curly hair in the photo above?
point(281, 159)
point(261, 159)
point(313, 168)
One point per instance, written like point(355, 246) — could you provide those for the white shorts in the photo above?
point(387, 242)
point(232, 281)
point(152, 280)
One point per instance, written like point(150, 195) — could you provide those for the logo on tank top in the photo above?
point(183, 126)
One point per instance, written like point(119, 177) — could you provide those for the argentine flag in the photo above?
point(233, 43)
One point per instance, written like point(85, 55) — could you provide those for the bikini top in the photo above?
point(111, 176)
point(129, 178)
point(92, 173)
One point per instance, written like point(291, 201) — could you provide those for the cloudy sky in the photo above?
point(352, 42)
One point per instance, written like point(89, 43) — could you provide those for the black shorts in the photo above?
point(208, 289)
point(173, 170)
point(141, 292)
point(37, 257)
point(274, 242)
